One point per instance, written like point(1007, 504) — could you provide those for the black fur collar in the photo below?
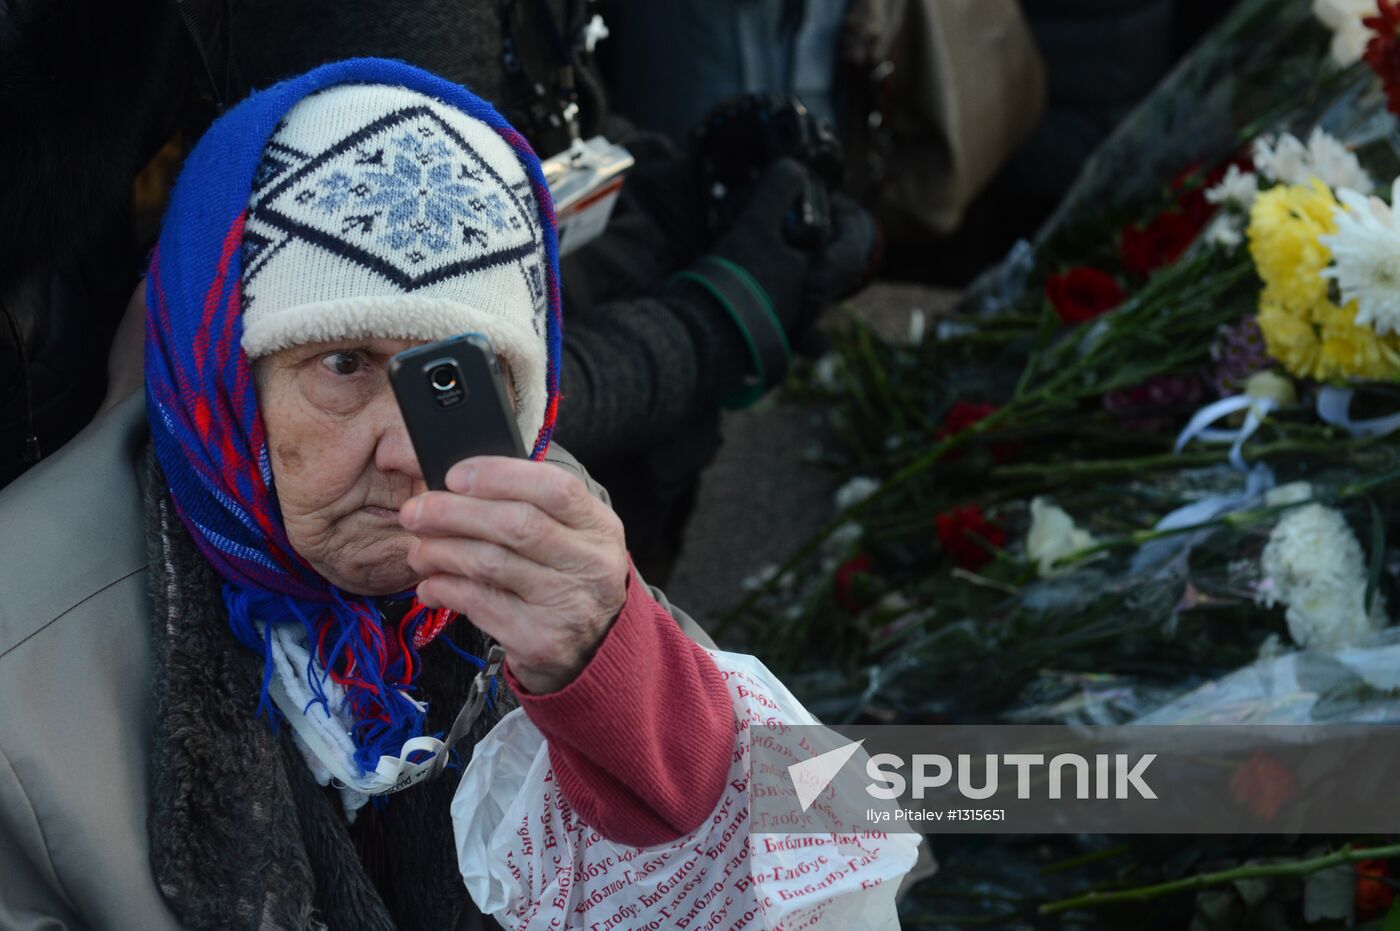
point(241, 834)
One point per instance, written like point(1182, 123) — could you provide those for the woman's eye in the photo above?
point(344, 363)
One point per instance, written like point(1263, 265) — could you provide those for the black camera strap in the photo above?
point(542, 60)
point(206, 24)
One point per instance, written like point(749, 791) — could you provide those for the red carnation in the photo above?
point(1082, 293)
point(1383, 49)
point(962, 415)
point(1159, 243)
point(1373, 893)
point(968, 537)
point(844, 584)
point(1263, 785)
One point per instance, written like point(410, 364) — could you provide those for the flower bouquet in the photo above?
point(1155, 454)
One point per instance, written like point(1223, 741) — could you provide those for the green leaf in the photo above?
point(1392, 917)
point(1049, 323)
point(1330, 893)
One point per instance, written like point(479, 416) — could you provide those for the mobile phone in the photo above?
point(454, 403)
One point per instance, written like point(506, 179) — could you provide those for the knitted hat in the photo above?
point(378, 211)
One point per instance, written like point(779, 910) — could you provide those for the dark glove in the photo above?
point(855, 250)
point(760, 279)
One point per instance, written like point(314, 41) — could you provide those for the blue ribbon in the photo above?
point(1200, 426)
point(1334, 407)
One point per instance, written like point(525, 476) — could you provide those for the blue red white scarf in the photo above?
point(209, 436)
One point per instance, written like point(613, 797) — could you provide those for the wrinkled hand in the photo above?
point(524, 550)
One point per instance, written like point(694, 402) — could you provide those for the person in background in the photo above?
point(88, 93)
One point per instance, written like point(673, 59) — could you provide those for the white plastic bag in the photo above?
point(531, 864)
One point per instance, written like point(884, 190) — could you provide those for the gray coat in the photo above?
point(75, 685)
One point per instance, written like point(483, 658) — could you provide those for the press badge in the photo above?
point(585, 181)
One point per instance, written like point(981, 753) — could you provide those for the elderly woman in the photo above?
point(148, 775)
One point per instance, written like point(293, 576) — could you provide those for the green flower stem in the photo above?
point(1074, 863)
point(1346, 854)
point(1113, 468)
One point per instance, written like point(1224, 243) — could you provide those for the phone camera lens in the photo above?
point(443, 377)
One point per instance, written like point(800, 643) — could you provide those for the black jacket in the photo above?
point(88, 91)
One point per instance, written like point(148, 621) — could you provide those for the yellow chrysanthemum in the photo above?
point(1289, 337)
point(1303, 329)
point(1325, 342)
point(1284, 225)
point(1352, 351)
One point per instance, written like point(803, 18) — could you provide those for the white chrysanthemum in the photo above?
point(1366, 258)
point(1052, 536)
point(1336, 164)
point(1349, 34)
point(1224, 230)
point(855, 491)
point(1284, 160)
point(1237, 189)
point(1313, 565)
point(1289, 161)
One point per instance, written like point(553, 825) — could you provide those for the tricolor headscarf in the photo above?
point(208, 434)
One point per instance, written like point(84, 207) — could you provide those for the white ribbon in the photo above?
point(1334, 407)
point(1200, 426)
point(324, 738)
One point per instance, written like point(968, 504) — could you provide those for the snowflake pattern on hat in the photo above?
point(406, 196)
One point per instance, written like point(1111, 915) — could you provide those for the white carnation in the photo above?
point(1237, 189)
point(1313, 565)
point(826, 373)
point(1053, 536)
point(918, 322)
point(855, 491)
point(1288, 161)
point(843, 538)
point(1349, 34)
point(1366, 257)
point(1292, 493)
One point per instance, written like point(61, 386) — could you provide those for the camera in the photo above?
point(445, 380)
point(741, 137)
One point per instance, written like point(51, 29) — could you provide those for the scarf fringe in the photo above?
point(349, 644)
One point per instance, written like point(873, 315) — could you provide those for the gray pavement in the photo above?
point(760, 500)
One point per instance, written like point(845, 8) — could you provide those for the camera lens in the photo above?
point(443, 377)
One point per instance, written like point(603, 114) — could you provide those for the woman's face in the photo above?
point(342, 460)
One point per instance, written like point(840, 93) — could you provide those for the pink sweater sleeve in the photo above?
point(641, 740)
